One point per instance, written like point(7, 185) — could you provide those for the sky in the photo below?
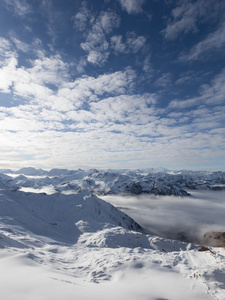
point(112, 84)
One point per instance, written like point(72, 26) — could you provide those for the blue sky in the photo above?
point(112, 84)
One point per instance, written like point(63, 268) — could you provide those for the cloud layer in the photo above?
point(132, 6)
point(101, 119)
point(112, 92)
point(187, 219)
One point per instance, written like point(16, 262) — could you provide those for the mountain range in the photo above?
point(105, 182)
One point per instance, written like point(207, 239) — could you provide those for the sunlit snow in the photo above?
point(78, 246)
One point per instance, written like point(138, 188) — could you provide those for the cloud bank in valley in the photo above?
point(185, 218)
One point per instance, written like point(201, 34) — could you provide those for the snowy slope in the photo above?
point(80, 247)
point(59, 217)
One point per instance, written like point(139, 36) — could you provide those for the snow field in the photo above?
point(81, 247)
point(98, 273)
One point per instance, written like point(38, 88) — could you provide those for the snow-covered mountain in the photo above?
point(59, 217)
point(31, 171)
point(59, 246)
point(103, 182)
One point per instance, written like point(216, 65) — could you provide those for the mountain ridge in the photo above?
point(101, 182)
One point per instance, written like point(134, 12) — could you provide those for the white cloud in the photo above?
point(212, 94)
point(9, 48)
point(184, 19)
point(121, 128)
point(90, 88)
point(133, 43)
point(31, 91)
point(100, 121)
point(117, 44)
point(38, 128)
point(164, 80)
point(115, 83)
point(214, 41)
point(34, 79)
point(96, 44)
point(147, 66)
point(5, 48)
point(50, 70)
point(101, 147)
point(46, 83)
point(108, 21)
point(132, 6)
point(189, 14)
point(21, 124)
point(82, 18)
point(80, 67)
point(19, 7)
point(6, 74)
point(97, 58)
point(124, 109)
point(186, 78)
point(32, 82)
point(24, 47)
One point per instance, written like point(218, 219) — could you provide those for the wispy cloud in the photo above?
point(117, 44)
point(212, 94)
point(19, 7)
point(184, 18)
point(53, 21)
point(214, 41)
point(132, 6)
point(186, 78)
point(6, 49)
point(164, 80)
point(82, 18)
point(132, 44)
point(20, 45)
point(187, 16)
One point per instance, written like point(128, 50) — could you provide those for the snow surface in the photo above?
point(80, 247)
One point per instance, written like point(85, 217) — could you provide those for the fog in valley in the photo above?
point(195, 219)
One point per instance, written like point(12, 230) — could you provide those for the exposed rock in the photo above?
point(214, 238)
